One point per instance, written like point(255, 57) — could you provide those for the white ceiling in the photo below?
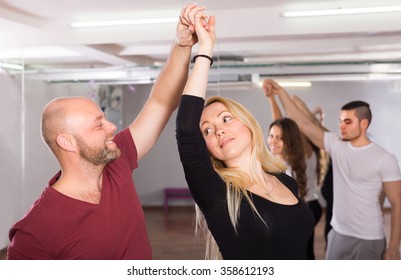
point(252, 36)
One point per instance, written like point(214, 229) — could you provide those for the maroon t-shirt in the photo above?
point(60, 227)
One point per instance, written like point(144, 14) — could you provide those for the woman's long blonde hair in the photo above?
point(237, 179)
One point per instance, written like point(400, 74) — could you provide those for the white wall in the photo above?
point(11, 152)
point(161, 167)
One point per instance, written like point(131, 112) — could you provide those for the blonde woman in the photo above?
point(247, 206)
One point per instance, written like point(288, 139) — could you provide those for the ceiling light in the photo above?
point(11, 66)
point(291, 84)
point(385, 68)
point(341, 11)
point(123, 22)
point(36, 52)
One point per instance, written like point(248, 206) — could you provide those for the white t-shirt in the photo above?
point(358, 176)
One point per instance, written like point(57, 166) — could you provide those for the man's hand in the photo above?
point(186, 36)
point(392, 254)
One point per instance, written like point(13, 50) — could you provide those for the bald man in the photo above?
point(90, 208)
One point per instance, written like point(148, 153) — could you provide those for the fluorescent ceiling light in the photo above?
point(385, 68)
point(291, 84)
point(341, 11)
point(11, 66)
point(36, 52)
point(123, 22)
point(378, 76)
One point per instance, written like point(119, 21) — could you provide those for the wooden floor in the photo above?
point(172, 236)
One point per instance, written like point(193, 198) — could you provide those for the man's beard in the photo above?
point(349, 138)
point(96, 156)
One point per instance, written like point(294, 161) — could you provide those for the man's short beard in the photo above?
point(100, 156)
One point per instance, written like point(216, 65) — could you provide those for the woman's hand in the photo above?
point(204, 29)
point(271, 87)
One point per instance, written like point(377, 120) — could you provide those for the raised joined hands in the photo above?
point(186, 36)
point(271, 87)
point(194, 25)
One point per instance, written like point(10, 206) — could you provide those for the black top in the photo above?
point(288, 226)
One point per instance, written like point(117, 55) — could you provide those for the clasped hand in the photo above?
point(195, 25)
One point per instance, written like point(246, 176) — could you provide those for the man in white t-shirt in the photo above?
point(363, 174)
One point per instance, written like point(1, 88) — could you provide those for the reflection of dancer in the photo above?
point(327, 193)
point(324, 171)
